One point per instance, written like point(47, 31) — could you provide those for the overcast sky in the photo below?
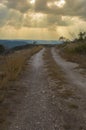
point(41, 19)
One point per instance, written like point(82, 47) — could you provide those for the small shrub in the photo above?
point(75, 52)
point(80, 49)
point(2, 49)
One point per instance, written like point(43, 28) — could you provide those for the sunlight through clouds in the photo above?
point(51, 15)
point(32, 1)
point(60, 3)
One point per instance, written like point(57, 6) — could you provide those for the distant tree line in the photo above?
point(80, 37)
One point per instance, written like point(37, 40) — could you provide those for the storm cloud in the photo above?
point(42, 13)
point(53, 13)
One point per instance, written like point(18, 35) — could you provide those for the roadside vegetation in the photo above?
point(11, 66)
point(75, 51)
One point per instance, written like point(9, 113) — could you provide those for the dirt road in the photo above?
point(71, 73)
point(41, 108)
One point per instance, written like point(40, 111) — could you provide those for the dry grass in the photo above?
point(75, 52)
point(12, 65)
point(10, 68)
point(63, 89)
point(53, 69)
point(66, 93)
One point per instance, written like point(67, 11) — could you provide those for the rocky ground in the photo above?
point(43, 101)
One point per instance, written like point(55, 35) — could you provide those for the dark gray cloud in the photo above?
point(71, 8)
point(20, 5)
point(20, 13)
point(4, 14)
point(15, 19)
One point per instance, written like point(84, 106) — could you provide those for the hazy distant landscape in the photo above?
point(13, 43)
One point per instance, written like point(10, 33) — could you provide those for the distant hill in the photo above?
point(8, 44)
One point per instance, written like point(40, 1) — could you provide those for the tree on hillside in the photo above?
point(82, 36)
point(62, 38)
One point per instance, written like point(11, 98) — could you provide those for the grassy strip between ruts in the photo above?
point(54, 70)
point(57, 76)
